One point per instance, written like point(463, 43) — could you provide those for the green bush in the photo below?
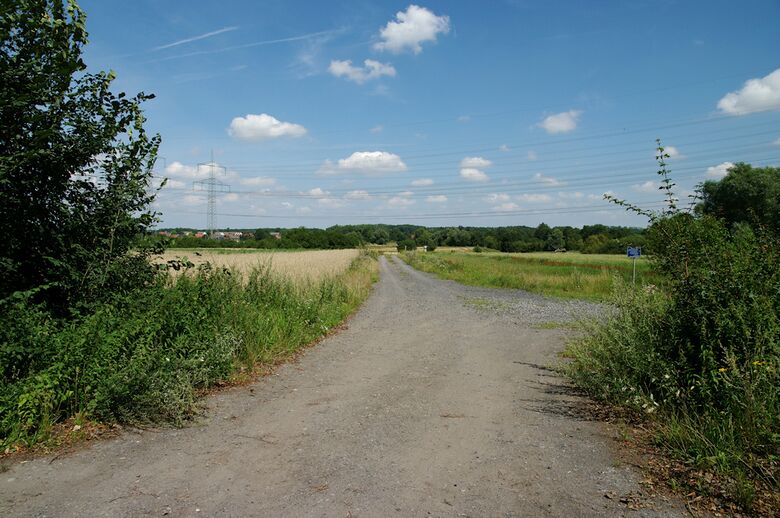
point(406, 245)
point(704, 350)
point(143, 357)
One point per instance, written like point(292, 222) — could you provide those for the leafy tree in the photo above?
point(556, 239)
point(745, 195)
point(542, 232)
point(75, 163)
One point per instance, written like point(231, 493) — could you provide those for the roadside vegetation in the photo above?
point(701, 356)
point(93, 329)
point(570, 275)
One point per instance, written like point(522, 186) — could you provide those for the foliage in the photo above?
point(75, 164)
point(143, 358)
point(705, 350)
point(745, 195)
point(406, 244)
point(504, 239)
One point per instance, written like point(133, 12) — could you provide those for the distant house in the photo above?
point(199, 235)
point(231, 236)
point(276, 235)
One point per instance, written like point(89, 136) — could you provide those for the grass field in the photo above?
point(569, 275)
point(310, 265)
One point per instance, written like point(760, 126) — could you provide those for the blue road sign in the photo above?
point(634, 251)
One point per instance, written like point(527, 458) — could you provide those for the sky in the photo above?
point(441, 113)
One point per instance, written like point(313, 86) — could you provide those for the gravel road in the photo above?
point(436, 401)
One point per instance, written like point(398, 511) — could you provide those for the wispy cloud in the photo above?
point(195, 38)
point(245, 46)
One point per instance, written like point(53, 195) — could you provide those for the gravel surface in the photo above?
point(436, 401)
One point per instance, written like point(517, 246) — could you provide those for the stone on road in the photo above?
point(428, 404)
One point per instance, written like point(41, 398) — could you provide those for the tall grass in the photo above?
point(146, 356)
point(559, 275)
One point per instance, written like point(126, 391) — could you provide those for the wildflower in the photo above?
point(722, 369)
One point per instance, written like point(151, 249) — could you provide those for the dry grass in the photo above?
point(306, 265)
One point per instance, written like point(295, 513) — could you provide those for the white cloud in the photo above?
point(193, 199)
point(498, 198)
point(317, 192)
point(330, 203)
point(195, 38)
point(535, 198)
point(190, 172)
point(422, 182)
point(230, 197)
point(720, 170)
point(532, 155)
point(406, 193)
point(475, 161)
point(303, 210)
point(368, 162)
point(504, 148)
point(257, 181)
point(673, 152)
point(411, 28)
point(377, 129)
point(548, 180)
point(464, 118)
point(756, 95)
point(287, 205)
point(648, 186)
point(776, 142)
point(473, 175)
point(563, 122)
point(569, 195)
point(262, 127)
point(506, 207)
point(371, 70)
point(358, 195)
point(471, 168)
point(400, 201)
point(437, 198)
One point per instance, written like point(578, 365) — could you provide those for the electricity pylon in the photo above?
point(212, 186)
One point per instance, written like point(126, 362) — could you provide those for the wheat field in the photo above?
point(309, 265)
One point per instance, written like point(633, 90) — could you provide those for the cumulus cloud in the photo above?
point(370, 70)
point(648, 186)
point(437, 198)
point(473, 175)
point(358, 195)
point(504, 148)
point(720, 170)
point(756, 95)
point(377, 129)
point(400, 201)
point(475, 161)
point(410, 29)
point(258, 181)
point(366, 162)
point(317, 192)
point(534, 198)
point(498, 197)
point(263, 127)
point(330, 203)
point(422, 182)
point(506, 207)
point(548, 180)
point(230, 197)
point(190, 172)
point(563, 122)
point(532, 155)
point(471, 169)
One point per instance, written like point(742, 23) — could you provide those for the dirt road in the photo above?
point(434, 402)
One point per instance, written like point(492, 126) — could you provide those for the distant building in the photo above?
point(276, 235)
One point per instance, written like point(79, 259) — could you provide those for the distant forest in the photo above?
point(593, 239)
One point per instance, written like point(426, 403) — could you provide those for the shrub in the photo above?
point(705, 350)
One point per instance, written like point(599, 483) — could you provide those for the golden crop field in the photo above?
point(299, 265)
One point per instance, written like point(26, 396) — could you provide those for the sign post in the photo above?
point(633, 252)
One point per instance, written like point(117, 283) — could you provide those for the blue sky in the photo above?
point(442, 113)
